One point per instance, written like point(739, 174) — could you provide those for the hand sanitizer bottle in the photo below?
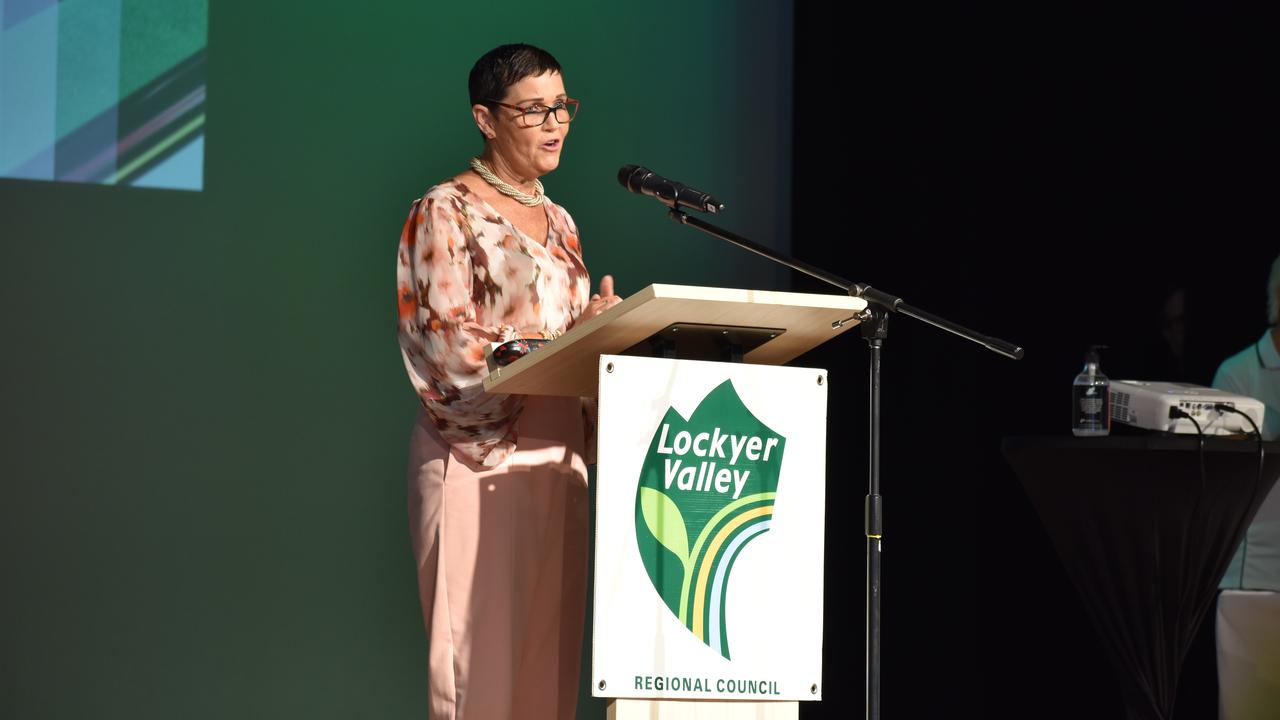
point(1091, 398)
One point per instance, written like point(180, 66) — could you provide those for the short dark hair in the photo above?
point(504, 66)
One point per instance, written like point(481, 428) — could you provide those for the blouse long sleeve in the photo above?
point(441, 276)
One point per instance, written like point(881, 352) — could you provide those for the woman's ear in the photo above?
point(484, 120)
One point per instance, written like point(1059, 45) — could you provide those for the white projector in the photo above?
point(1148, 405)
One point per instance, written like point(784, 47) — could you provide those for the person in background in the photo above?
point(1255, 371)
point(1248, 613)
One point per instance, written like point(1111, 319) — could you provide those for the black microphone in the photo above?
point(644, 181)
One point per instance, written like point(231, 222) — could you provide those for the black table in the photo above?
point(1145, 540)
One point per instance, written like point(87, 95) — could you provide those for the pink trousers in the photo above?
point(502, 567)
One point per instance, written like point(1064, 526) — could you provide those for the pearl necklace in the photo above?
point(507, 189)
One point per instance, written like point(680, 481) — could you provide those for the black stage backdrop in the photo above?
point(1053, 174)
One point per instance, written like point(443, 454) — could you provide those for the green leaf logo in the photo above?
point(712, 478)
point(664, 520)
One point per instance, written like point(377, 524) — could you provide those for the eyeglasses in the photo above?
point(537, 114)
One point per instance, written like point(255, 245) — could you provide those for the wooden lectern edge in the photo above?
point(853, 305)
point(719, 709)
point(763, 297)
point(567, 339)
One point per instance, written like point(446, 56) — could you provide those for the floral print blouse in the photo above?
point(466, 278)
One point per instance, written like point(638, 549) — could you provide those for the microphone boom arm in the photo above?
point(890, 303)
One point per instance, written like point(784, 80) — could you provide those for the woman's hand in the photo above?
point(601, 301)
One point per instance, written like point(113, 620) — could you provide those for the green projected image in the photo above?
point(103, 91)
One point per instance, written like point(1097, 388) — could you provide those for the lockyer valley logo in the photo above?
point(711, 479)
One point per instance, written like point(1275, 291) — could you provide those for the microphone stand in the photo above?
point(875, 329)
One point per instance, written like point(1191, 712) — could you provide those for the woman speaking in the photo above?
point(498, 483)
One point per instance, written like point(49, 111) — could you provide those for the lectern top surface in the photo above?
point(568, 366)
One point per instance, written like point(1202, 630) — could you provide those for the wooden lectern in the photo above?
point(710, 492)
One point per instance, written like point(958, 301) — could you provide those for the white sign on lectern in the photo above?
point(709, 530)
